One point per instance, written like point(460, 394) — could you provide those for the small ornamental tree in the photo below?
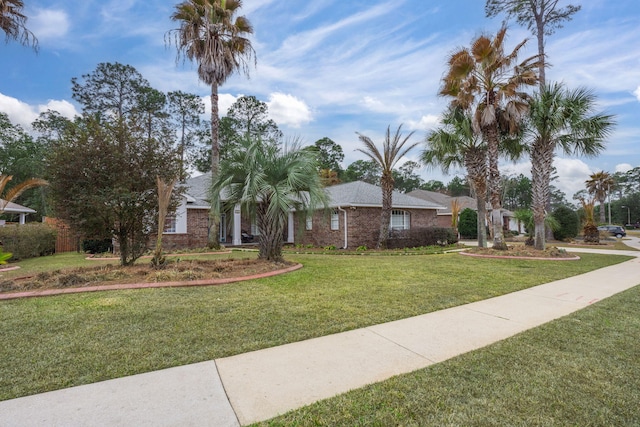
point(568, 220)
point(468, 224)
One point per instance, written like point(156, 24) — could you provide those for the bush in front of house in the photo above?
point(569, 223)
point(28, 240)
point(97, 246)
point(468, 224)
point(417, 237)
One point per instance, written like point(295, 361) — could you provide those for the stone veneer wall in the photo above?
point(363, 227)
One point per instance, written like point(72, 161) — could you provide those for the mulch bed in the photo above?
point(195, 271)
point(523, 252)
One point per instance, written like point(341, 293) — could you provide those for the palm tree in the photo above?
point(599, 185)
point(559, 118)
point(267, 184)
point(16, 191)
point(486, 81)
point(213, 36)
point(12, 22)
point(393, 149)
point(456, 144)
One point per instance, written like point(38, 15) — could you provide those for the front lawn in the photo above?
point(581, 370)
point(55, 342)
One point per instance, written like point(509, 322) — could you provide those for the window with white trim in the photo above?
point(255, 230)
point(170, 223)
point(309, 225)
point(400, 220)
point(335, 220)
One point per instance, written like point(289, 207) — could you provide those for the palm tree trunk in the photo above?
point(603, 217)
point(476, 165)
point(385, 215)
point(271, 235)
point(214, 215)
point(494, 187)
point(541, 164)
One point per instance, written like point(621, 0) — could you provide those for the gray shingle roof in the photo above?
point(360, 193)
point(356, 193)
point(444, 200)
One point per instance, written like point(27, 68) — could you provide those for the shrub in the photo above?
point(569, 223)
point(417, 237)
point(28, 240)
point(97, 246)
point(468, 224)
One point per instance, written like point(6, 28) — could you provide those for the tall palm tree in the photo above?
point(456, 144)
point(559, 118)
point(393, 149)
point(211, 34)
point(13, 23)
point(268, 183)
point(485, 80)
point(599, 185)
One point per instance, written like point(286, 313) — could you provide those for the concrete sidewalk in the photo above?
point(256, 386)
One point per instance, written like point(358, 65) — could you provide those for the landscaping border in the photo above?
point(534, 258)
point(149, 285)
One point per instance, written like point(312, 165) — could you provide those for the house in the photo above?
point(354, 213)
point(14, 208)
point(352, 220)
point(444, 216)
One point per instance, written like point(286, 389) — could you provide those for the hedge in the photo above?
point(28, 240)
point(417, 237)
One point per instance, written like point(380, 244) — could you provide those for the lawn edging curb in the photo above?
point(150, 285)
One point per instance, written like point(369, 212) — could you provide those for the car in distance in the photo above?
point(614, 230)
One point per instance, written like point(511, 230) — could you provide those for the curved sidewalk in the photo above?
point(259, 385)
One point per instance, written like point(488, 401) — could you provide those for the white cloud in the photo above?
point(288, 110)
point(623, 167)
point(426, 122)
point(23, 114)
point(637, 93)
point(49, 24)
point(572, 174)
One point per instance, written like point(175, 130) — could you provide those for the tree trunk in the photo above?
point(214, 214)
point(271, 235)
point(603, 208)
point(541, 164)
point(494, 187)
point(386, 183)
point(476, 164)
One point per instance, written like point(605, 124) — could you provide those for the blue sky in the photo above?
point(332, 68)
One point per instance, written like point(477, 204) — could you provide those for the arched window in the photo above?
point(400, 220)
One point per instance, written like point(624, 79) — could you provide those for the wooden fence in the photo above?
point(67, 240)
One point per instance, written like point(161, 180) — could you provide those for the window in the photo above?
point(309, 223)
point(170, 223)
point(335, 220)
point(255, 230)
point(400, 220)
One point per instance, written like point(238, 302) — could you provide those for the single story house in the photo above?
point(352, 220)
point(354, 213)
point(444, 216)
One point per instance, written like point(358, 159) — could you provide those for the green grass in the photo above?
point(581, 370)
point(55, 342)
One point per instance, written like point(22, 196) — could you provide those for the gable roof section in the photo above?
point(445, 200)
point(10, 207)
point(362, 194)
point(197, 191)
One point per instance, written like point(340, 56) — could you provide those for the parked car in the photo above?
point(614, 230)
point(635, 225)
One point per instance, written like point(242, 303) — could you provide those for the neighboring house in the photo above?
point(352, 220)
point(444, 216)
point(14, 208)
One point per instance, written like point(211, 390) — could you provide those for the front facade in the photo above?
point(352, 219)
